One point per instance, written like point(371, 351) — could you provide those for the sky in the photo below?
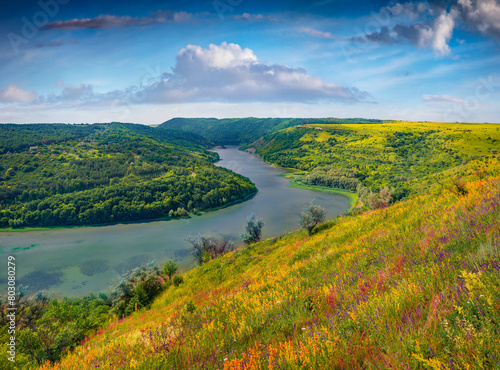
point(76, 61)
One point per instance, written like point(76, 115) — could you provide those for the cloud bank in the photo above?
point(225, 73)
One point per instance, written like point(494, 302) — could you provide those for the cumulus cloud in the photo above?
point(254, 18)
point(225, 73)
point(442, 100)
point(482, 16)
point(228, 72)
point(435, 34)
point(15, 94)
point(319, 34)
point(112, 21)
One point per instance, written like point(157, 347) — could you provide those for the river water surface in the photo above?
point(77, 261)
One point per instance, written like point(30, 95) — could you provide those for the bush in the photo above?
point(253, 229)
point(206, 248)
point(137, 289)
point(190, 307)
point(178, 280)
point(312, 215)
point(380, 200)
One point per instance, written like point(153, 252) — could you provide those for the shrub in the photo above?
point(253, 229)
point(190, 307)
point(178, 280)
point(380, 200)
point(137, 289)
point(206, 248)
point(312, 215)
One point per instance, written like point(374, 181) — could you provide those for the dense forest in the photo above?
point(60, 175)
point(236, 131)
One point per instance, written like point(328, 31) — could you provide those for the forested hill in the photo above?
point(234, 131)
point(403, 156)
point(61, 175)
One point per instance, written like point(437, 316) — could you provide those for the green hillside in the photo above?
point(403, 156)
point(64, 175)
point(235, 131)
point(415, 285)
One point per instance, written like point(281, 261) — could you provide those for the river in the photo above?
point(76, 261)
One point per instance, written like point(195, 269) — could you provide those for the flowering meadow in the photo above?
point(412, 286)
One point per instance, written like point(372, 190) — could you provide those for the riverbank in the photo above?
point(297, 183)
point(47, 228)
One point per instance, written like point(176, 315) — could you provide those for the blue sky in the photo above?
point(149, 61)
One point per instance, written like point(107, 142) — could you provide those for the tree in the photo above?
point(380, 200)
point(170, 268)
point(253, 229)
point(312, 215)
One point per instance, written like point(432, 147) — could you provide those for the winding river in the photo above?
point(74, 262)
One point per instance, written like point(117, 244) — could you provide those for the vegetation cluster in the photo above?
point(106, 173)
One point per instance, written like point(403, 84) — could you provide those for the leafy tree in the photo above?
point(170, 268)
point(312, 215)
point(253, 229)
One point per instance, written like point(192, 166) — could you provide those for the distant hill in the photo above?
point(235, 131)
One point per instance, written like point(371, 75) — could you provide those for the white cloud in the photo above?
point(482, 15)
point(230, 73)
point(319, 34)
point(225, 73)
point(442, 100)
point(435, 34)
point(441, 32)
point(14, 94)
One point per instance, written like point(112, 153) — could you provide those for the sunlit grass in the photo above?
point(415, 285)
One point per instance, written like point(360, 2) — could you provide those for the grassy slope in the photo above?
point(395, 154)
point(415, 285)
point(236, 131)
